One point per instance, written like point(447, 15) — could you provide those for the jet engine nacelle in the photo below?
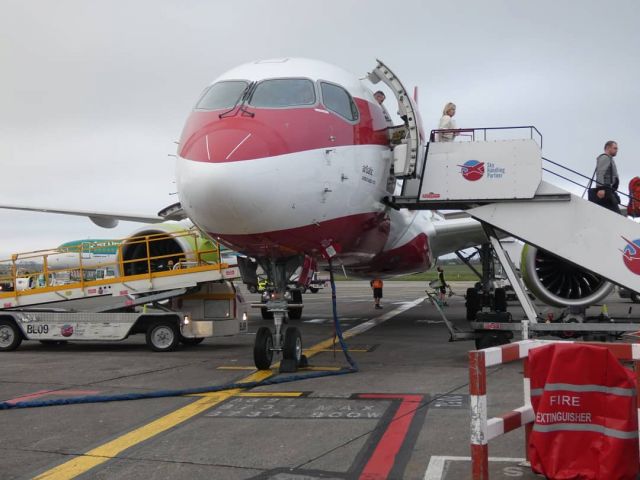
point(560, 283)
point(166, 242)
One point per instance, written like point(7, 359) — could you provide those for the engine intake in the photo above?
point(169, 242)
point(559, 283)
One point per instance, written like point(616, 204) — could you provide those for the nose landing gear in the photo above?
point(281, 306)
point(289, 345)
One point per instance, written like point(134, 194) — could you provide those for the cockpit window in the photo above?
point(283, 92)
point(338, 100)
point(222, 95)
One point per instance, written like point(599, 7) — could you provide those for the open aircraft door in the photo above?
point(407, 155)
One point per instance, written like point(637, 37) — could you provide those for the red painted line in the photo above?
point(381, 462)
point(31, 396)
point(42, 393)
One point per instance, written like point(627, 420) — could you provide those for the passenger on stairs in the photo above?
point(606, 179)
point(447, 123)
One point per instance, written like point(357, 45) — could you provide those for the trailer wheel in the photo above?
point(253, 289)
point(472, 303)
point(263, 349)
point(10, 336)
point(292, 345)
point(303, 289)
point(162, 336)
point(192, 341)
point(314, 289)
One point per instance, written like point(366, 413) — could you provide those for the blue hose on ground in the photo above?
point(215, 388)
point(336, 322)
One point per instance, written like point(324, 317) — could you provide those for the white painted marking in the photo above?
point(316, 320)
point(368, 325)
point(435, 470)
point(238, 146)
point(430, 321)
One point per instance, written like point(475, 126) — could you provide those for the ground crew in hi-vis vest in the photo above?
point(376, 285)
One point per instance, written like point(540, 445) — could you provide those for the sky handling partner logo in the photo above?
point(631, 255)
point(472, 170)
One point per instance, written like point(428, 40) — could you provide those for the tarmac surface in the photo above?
point(404, 415)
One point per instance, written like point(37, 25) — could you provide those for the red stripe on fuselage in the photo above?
point(270, 132)
point(363, 234)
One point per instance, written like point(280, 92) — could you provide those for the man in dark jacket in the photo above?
point(607, 179)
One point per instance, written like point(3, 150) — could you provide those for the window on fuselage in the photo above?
point(338, 100)
point(222, 95)
point(283, 92)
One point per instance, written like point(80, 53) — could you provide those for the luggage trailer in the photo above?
point(187, 316)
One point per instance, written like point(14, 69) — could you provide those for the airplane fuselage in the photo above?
point(290, 157)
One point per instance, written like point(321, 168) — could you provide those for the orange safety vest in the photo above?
point(377, 283)
point(585, 414)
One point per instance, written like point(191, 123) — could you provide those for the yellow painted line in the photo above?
point(351, 350)
point(316, 368)
point(224, 367)
point(270, 394)
point(103, 453)
point(252, 394)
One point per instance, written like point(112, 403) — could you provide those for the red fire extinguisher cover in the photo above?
point(586, 424)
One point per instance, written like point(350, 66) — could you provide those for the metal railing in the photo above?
point(485, 133)
point(31, 272)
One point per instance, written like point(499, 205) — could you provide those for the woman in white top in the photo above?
point(447, 123)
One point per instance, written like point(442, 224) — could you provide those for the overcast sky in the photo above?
point(94, 94)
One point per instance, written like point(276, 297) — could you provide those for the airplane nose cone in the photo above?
point(229, 140)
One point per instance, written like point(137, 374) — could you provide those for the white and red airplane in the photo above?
point(289, 160)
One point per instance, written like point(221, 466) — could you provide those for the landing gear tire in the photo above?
point(313, 289)
point(500, 300)
point(292, 349)
point(263, 349)
point(191, 341)
point(10, 336)
point(295, 313)
point(266, 314)
point(487, 339)
point(163, 336)
point(472, 304)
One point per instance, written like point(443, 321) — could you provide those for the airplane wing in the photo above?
point(102, 219)
point(456, 234)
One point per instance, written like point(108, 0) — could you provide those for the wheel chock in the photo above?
point(288, 365)
point(304, 362)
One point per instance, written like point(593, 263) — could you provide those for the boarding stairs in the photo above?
point(147, 278)
point(499, 183)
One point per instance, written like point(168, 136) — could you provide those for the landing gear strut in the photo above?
point(284, 340)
